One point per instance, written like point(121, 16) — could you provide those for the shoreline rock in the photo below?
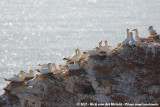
point(125, 75)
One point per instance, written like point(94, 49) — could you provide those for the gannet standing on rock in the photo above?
point(24, 75)
point(74, 57)
point(152, 31)
point(105, 48)
point(126, 41)
point(33, 81)
point(44, 65)
point(136, 36)
point(94, 51)
point(46, 69)
point(132, 41)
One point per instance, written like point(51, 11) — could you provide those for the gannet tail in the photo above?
point(6, 79)
point(37, 70)
point(66, 59)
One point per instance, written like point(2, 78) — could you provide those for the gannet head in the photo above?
point(77, 51)
point(106, 43)
point(136, 30)
point(30, 71)
point(150, 27)
point(127, 32)
point(119, 44)
point(54, 65)
point(20, 71)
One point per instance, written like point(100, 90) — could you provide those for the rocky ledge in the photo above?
point(125, 75)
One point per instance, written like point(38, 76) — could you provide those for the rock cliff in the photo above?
point(125, 75)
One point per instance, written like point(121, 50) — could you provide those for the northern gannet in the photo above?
point(53, 69)
point(118, 45)
point(44, 65)
point(33, 81)
point(105, 48)
point(45, 69)
point(26, 75)
point(152, 31)
point(136, 36)
point(132, 41)
point(74, 66)
point(94, 51)
point(126, 41)
point(15, 78)
point(75, 56)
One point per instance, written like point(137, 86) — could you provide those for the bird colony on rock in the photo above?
point(74, 62)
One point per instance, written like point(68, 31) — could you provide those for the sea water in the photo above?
point(43, 31)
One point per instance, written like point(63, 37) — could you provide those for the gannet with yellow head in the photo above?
point(94, 51)
point(48, 69)
point(75, 56)
point(136, 36)
point(24, 75)
point(126, 41)
point(105, 48)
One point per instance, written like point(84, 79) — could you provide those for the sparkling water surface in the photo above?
point(43, 31)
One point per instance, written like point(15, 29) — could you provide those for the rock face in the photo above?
point(125, 75)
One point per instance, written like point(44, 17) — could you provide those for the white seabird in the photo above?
point(44, 65)
point(47, 69)
point(105, 48)
point(94, 51)
point(132, 41)
point(74, 66)
point(152, 31)
point(15, 78)
point(136, 36)
point(26, 75)
point(33, 81)
point(74, 57)
point(126, 41)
